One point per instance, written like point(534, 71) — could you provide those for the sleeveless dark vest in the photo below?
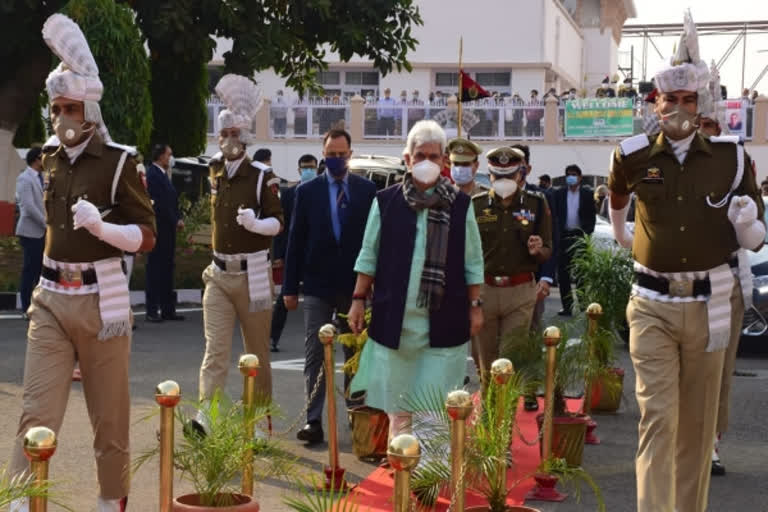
point(449, 325)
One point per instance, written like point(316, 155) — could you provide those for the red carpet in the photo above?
point(375, 492)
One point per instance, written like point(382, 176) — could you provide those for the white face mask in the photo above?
point(425, 171)
point(505, 187)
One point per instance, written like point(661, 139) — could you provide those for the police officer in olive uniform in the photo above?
point(516, 231)
point(96, 209)
point(697, 204)
point(245, 214)
point(464, 164)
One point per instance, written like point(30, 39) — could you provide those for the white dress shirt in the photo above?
point(572, 209)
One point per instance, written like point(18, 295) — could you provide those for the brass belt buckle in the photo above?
point(233, 266)
point(683, 288)
point(501, 280)
point(71, 278)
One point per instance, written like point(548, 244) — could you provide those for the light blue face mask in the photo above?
point(461, 174)
point(308, 173)
point(571, 180)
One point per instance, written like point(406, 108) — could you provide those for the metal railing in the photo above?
point(308, 119)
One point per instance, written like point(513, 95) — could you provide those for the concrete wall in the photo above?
point(563, 43)
point(600, 57)
point(523, 80)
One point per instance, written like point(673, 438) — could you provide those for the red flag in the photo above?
point(470, 90)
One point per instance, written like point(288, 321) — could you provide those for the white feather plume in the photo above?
point(64, 37)
point(240, 95)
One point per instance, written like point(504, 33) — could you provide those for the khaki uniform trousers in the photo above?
point(62, 329)
point(737, 319)
point(677, 388)
point(505, 311)
point(224, 301)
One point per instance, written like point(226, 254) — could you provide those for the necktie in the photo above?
point(341, 204)
point(40, 177)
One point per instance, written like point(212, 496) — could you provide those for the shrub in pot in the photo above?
point(23, 487)
point(211, 461)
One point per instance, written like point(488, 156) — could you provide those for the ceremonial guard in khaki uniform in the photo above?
point(516, 232)
point(713, 124)
point(96, 209)
point(245, 215)
point(697, 204)
point(464, 164)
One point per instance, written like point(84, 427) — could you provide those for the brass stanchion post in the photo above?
point(334, 473)
point(458, 405)
point(501, 372)
point(545, 483)
point(249, 367)
point(167, 396)
point(403, 455)
point(594, 312)
point(39, 446)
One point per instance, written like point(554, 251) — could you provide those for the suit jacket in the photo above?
point(29, 196)
point(313, 256)
point(587, 213)
point(164, 198)
point(280, 241)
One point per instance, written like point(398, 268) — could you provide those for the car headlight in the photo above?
point(760, 283)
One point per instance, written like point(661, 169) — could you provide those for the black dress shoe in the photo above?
point(717, 468)
point(312, 433)
point(563, 312)
point(154, 318)
point(172, 316)
point(531, 404)
point(274, 348)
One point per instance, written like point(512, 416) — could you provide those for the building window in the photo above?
point(361, 78)
point(493, 79)
point(329, 77)
point(447, 79)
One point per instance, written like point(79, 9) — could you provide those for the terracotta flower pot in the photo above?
point(607, 391)
point(516, 508)
point(191, 503)
point(568, 433)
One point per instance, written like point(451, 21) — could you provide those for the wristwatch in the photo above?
point(476, 303)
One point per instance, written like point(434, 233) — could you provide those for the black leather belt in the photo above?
point(73, 278)
point(664, 286)
point(223, 264)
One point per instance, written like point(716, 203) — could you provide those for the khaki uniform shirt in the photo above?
point(476, 189)
point(227, 195)
point(505, 230)
point(675, 229)
point(90, 178)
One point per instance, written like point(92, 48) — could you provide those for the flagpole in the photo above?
point(461, 87)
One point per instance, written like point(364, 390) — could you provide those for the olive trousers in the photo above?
point(506, 310)
point(678, 389)
point(226, 300)
point(63, 329)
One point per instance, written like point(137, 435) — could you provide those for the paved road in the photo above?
point(174, 350)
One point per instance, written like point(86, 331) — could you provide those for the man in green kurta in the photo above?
point(422, 253)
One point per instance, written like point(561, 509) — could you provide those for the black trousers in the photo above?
point(31, 268)
point(279, 317)
point(565, 256)
point(160, 267)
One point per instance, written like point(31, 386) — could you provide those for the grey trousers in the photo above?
point(319, 311)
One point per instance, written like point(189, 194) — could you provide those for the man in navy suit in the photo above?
point(307, 171)
point(160, 262)
point(576, 216)
point(326, 234)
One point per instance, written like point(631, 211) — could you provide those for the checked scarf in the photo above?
point(439, 203)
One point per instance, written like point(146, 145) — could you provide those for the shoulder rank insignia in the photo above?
point(634, 144)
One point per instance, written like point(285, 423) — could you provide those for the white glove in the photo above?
point(621, 232)
point(126, 238)
point(742, 212)
point(246, 217)
point(87, 216)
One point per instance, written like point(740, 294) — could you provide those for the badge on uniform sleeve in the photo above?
point(653, 175)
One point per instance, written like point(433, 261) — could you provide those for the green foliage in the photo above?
point(604, 276)
point(195, 216)
point(212, 461)
point(23, 486)
point(323, 500)
point(572, 477)
point(117, 46)
point(486, 448)
point(32, 130)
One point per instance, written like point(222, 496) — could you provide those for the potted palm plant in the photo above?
point(370, 426)
point(605, 276)
point(213, 460)
point(23, 487)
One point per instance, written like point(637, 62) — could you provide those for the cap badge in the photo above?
point(459, 149)
point(503, 159)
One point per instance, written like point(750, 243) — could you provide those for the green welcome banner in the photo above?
point(598, 117)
